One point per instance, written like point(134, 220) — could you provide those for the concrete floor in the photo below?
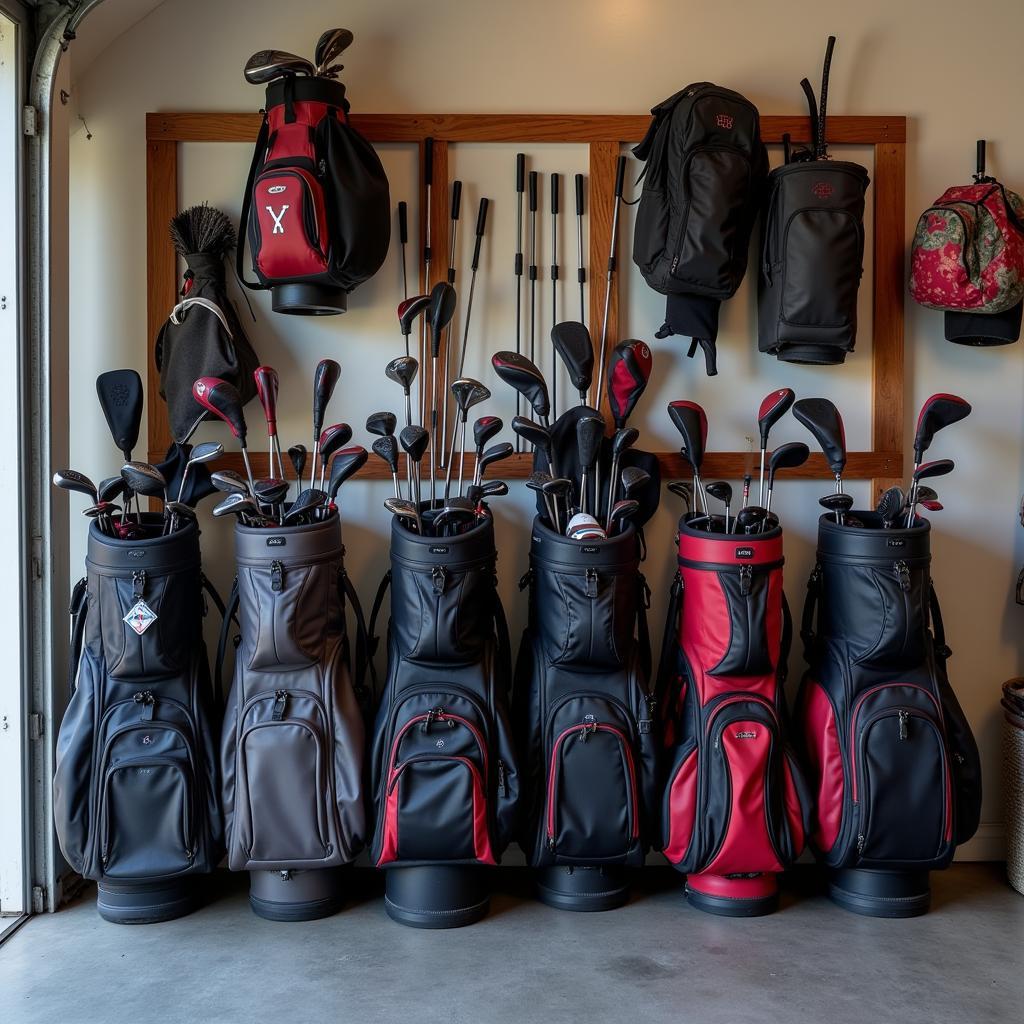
point(656, 960)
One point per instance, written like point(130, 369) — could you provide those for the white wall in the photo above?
point(606, 57)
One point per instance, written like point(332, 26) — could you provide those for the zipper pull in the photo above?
point(148, 702)
point(904, 719)
point(591, 584)
point(815, 576)
point(746, 579)
point(280, 701)
point(675, 263)
point(586, 730)
point(138, 583)
point(551, 843)
point(277, 576)
point(650, 703)
point(677, 584)
point(439, 577)
point(861, 841)
point(502, 781)
point(433, 715)
point(902, 571)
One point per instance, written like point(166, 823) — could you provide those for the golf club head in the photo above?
point(532, 432)
point(229, 482)
point(791, 455)
point(931, 470)
point(346, 464)
point(521, 374)
point(750, 519)
point(468, 392)
point(773, 407)
point(179, 509)
point(206, 451)
point(308, 500)
point(408, 310)
point(383, 424)
point(937, 412)
point(721, 491)
point(924, 493)
point(333, 71)
point(271, 491)
point(402, 370)
point(624, 509)
point(836, 503)
point(72, 480)
point(625, 437)
point(403, 509)
point(266, 65)
point(443, 301)
point(492, 489)
point(333, 439)
point(589, 435)
point(629, 370)
point(267, 386)
point(386, 448)
point(572, 342)
point(891, 505)
point(222, 400)
point(235, 504)
point(414, 441)
point(330, 45)
point(691, 422)
point(585, 527)
point(822, 419)
point(486, 429)
point(496, 453)
point(931, 504)
point(325, 380)
point(120, 393)
point(110, 489)
point(633, 478)
point(142, 478)
point(538, 480)
point(681, 491)
point(297, 457)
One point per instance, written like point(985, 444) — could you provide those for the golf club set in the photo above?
point(267, 66)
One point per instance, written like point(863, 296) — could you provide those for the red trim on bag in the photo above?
point(682, 809)
point(825, 762)
point(794, 812)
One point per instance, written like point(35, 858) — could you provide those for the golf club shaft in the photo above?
point(760, 475)
point(613, 478)
point(403, 237)
point(433, 431)
point(581, 273)
point(428, 181)
point(462, 453)
point(520, 186)
point(533, 266)
point(248, 470)
point(620, 174)
point(554, 291)
point(481, 224)
point(452, 249)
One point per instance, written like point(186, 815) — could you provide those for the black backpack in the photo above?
point(316, 207)
point(812, 248)
point(703, 183)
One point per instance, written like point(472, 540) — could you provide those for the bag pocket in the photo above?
point(436, 780)
point(284, 785)
point(944, 270)
point(290, 231)
point(142, 623)
point(901, 785)
point(650, 234)
point(447, 610)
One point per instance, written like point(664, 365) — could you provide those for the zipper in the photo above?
point(591, 585)
point(138, 583)
point(746, 579)
point(502, 781)
point(439, 579)
point(148, 702)
point(280, 703)
point(449, 567)
point(619, 706)
point(277, 575)
point(441, 716)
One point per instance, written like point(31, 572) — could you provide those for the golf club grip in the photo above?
point(481, 223)
point(520, 172)
point(554, 193)
point(456, 199)
point(533, 191)
point(428, 162)
point(579, 195)
point(403, 223)
point(620, 176)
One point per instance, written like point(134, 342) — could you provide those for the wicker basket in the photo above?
point(1013, 779)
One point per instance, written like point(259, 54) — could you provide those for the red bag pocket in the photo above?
point(291, 224)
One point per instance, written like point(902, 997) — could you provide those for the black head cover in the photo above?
point(409, 310)
point(574, 345)
point(787, 456)
point(589, 435)
point(402, 370)
point(120, 394)
point(520, 373)
point(325, 379)
point(346, 463)
point(486, 429)
point(386, 448)
point(442, 308)
point(414, 441)
point(629, 370)
point(382, 424)
point(692, 423)
point(822, 419)
point(937, 412)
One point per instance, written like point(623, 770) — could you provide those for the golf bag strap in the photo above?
point(222, 643)
point(669, 643)
point(214, 594)
point(372, 639)
point(786, 643)
point(942, 650)
point(243, 219)
point(810, 606)
point(502, 634)
point(79, 603)
point(364, 665)
point(643, 632)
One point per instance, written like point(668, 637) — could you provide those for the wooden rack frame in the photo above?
point(604, 134)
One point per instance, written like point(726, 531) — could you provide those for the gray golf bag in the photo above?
point(135, 792)
point(445, 781)
point(292, 744)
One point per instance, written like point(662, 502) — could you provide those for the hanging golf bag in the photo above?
point(891, 761)
point(812, 251)
point(445, 781)
point(292, 744)
point(135, 793)
point(736, 809)
point(585, 717)
point(316, 206)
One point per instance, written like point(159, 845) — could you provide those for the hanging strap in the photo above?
point(669, 643)
point(502, 635)
point(810, 605)
point(77, 609)
point(243, 219)
point(214, 594)
point(228, 613)
point(364, 669)
point(942, 650)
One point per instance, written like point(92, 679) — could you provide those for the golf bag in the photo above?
point(812, 249)
point(445, 781)
point(735, 803)
point(584, 715)
point(292, 744)
point(135, 793)
point(891, 760)
point(316, 207)
point(705, 173)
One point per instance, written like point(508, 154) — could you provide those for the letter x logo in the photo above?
point(276, 217)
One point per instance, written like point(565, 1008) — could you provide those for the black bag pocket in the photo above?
point(746, 598)
point(901, 783)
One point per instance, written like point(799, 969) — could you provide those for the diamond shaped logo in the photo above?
point(140, 617)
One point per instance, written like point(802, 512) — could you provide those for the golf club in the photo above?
point(442, 308)
point(454, 210)
point(773, 408)
point(520, 187)
point(522, 374)
point(621, 512)
point(386, 448)
point(266, 65)
point(325, 380)
point(381, 424)
point(403, 241)
point(229, 482)
point(304, 505)
point(721, 491)
point(467, 394)
point(691, 422)
point(346, 464)
point(120, 395)
point(555, 182)
point(822, 419)
point(559, 489)
point(297, 457)
point(267, 386)
point(925, 471)
point(485, 429)
point(589, 435)
point(890, 505)
point(625, 438)
point(838, 504)
point(428, 255)
point(620, 174)
point(786, 456)
point(330, 46)
point(241, 505)
point(408, 311)
point(205, 452)
point(481, 224)
point(537, 481)
point(414, 440)
point(581, 273)
point(222, 399)
point(404, 510)
point(332, 439)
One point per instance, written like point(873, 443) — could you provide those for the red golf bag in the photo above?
point(735, 807)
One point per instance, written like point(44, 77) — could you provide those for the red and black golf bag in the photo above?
point(735, 809)
point(891, 760)
point(316, 208)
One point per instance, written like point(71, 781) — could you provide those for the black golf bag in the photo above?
point(445, 781)
point(585, 717)
point(292, 745)
point(135, 793)
point(891, 760)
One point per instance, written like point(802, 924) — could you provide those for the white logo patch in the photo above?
point(140, 617)
point(276, 190)
point(276, 217)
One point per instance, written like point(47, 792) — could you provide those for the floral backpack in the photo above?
point(968, 251)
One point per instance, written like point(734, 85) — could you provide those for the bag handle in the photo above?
point(77, 608)
point(243, 217)
point(227, 614)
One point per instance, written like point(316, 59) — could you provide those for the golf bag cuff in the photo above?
point(696, 317)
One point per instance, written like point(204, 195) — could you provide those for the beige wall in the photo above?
point(956, 75)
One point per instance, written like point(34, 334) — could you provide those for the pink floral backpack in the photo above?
point(968, 251)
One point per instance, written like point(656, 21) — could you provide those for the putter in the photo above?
point(222, 399)
point(822, 419)
point(620, 174)
point(325, 380)
point(573, 344)
point(267, 386)
point(773, 408)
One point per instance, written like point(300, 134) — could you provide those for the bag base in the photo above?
point(436, 896)
point(296, 895)
point(740, 896)
point(148, 902)
point(889, 894)
point(583, 889)
point(305, 299)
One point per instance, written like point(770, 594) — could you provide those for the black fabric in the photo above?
point(136, 784)
point(705, 171)
point(199, 484)
point(983, 329)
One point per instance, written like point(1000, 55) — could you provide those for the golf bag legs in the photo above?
point(296, 895)
point(436, 895)
point(752, 895)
